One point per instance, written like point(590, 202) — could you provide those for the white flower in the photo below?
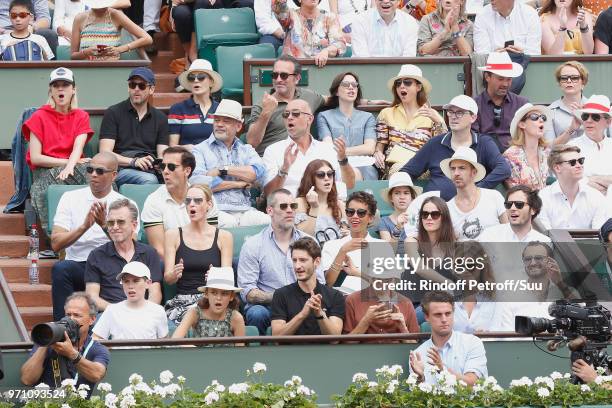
point(42, 386)
point(450, 380)
point(462, 383)
point(84, 387)
point(165, 376)
point(259, 368)
point(65, 406)
point(303, 390)
point(127, 401)
point(585, 388)
point(372, 384)
point(172, 389)
point(567, 375)
point(110, 400)
point(216, 386)
point(68, 383)
point(412, 379)
point(296, 380)
point(497, 388)
point(555, 375)
point(239, 388)
point(543, 392)
point(600, 370)
point(448, 390)
point(211, 397)
point(396, 370)
point(127, 390)
point(144, 387)
point(360, 377)
point(105, 387)
point(599, 380)
point(490, 381)
point(82, 393)
point(181, 379)
point(383, 370)
point(292, 394)
point(425, 387)
point(159, 390)
point(392, 386)
point(477, 388)
point(135, 378)
point(546, 380)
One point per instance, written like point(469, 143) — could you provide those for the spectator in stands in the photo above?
point(265, 124)
point(165, 208)
point(107, 261)
point(568, 203)
point(447, 31)
point(190, 121)
point(384, 32)
point(473, 209)
point(230, 167)
point(528, 152)
point(309, 31)
point(460, 354)
point(135, 131)
point(355, 126)
point(57, 134)
point(78, 227)
point(216, 314)
point(88, 358)
point(268, 25)
point(183, 15)
point(400, 193)
point(567, 28)
point(191, 250)
point(603, 33)
point(347, 12)
point(410, 121)
point(134, 318)
point(462, 113)
point(507, 25)
point(96, 33)
point(20, 44)
point(497, 104)
point(306, 307)
point(344, 254)
point(319, 211)
point(287, 159)
point(264, 264)
point(40, 25)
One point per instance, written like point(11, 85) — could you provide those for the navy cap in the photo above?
point(605, 230)
point(144, 73)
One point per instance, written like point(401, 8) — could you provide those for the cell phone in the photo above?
point(157, 162)
point(101, 47)
point(508, 43)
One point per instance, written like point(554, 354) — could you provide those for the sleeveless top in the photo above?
point(105, 33)
point(214, 328)
point(195, 263)
point(326, 228)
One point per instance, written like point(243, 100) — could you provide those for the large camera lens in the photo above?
point(531, 325)
point(45, 334)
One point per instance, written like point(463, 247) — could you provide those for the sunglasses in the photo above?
point(196, 200)
point(321, 174)
point(295, 114)
point(140, 85)
point(537, 258)
point(283, 75)
point(535, 117)
point(349, 84)
point(171, 166)
point(568, 78)
point(497, 113)
point(456, 114)
point(595, 116)
point(99, 170)
point(518, 204)
point(23, 14)
point(120, 223)
point(406, 82)
point(199, 77)
point(284, 206)
point(360, 212)
point(434, 215)
point(573, 162)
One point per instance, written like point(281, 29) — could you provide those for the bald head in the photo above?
point(298, 126)
point(103, 172)
point(299, 104)
point(106, 159)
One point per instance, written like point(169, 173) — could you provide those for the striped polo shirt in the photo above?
point(187, 120)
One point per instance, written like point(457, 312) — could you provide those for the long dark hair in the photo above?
point(308, 180)
point(334, 101)
point(446, 237)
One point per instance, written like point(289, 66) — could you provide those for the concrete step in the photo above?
point(14, 246)
point(33, 315)
point(167, 99)
point(169, 42)
point(164, 83)
point(11, 224)
point(16, 270)
point(160, 63)
point(7, 182)
point(27, 295)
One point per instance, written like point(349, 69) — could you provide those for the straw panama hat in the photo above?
point(499, 63)
point(410, 71)
point(229, 109)
point(220, 278)
point(466, 154)
point(399, 179)
point(522, 111)
point(201, 65)
point(595, 104)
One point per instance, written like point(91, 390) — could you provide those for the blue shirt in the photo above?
point(213, 153)
point(186, 119)
point(463, 353)
point(439, 148)
point(356, 129)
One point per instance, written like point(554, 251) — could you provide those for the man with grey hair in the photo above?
point(107, 261)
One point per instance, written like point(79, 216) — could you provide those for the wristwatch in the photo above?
point(78, 358)
point(282, 173)
point(223, 171)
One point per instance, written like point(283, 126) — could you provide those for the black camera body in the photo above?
point(45, 334)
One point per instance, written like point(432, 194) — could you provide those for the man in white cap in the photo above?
point(497, 104)
point(508, 25)
point(462, 112)
point(230, 167)
point(473, 209)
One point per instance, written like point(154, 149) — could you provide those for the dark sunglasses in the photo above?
point(535, 117)
point(568, 78)
point(283, 75)
point(200, 77)
point(111, 223)
point(406, 82)
point(537, 258)
point(595, 116)
point(518, 204)
point(23, 14)
point(434, 215)
point(321, 174)
point(573, 162)
point(295, 114)
point(196, 200)
point(349, 84)
point(284, 206)
point(171, 166)
point(99, 170)
point(141, 85)
point(360, 212)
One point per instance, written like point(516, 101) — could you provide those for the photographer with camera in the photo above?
point(65, 350)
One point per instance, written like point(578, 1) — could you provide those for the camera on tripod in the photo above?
point(45, 334)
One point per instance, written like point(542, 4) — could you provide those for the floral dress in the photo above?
point(433, 24)
point(522, 173)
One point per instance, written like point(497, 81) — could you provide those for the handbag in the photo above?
point(166, 23)
point(399, 154)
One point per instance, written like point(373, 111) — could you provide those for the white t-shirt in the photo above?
point(485, 214)
point(121, 322)
point(6, 40)
point(331, 249)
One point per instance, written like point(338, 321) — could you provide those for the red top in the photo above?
point(56, 131)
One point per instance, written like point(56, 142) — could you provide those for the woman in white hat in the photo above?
point(190, 121)
point(567, 28)
point(528, 151)
point(409, 123)
point(96, 33)
point(216, 314)
point(399, 194)
point(447, 31)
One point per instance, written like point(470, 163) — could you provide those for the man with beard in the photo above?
point(230, 167)
point(306, 307)
point(542, 269)
point(135, 131)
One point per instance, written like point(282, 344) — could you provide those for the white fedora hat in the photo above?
point(410, 71)
point(466, 154)
point(499, 63)
point(399, 179)
point(352, 284)
point(229, 109)
point(464, 102)
point(220, 278)
point(522, 111)
point(201, 65)
point(595, 104)
point(98, 4)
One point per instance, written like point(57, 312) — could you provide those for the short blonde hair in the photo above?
point(579, 66)
point(556, 151)
point(74, 102)
point(518, 138)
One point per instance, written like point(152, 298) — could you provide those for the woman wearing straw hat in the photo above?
point(399, 194)
point(528, 152)
point(403, 128)
point(190, 121)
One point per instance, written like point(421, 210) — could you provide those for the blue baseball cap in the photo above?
point(144, 73)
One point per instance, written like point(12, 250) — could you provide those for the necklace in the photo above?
point(355, 8)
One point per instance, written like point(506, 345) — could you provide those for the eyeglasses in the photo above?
point(434, 215)
point(497, 113)
point(141, 85)
point(518, 204)
point(171, 166)
point(111, 223)
point(23, 14)
point(568, 78)
point(595, 116)
point(196, 200)
point(537, 258)
point(573, 162)
point(405, 81)
point(200, 77)
point(321, 174)
point(295, 114)
point(283, 75)
point(349, 84)
point(360, 212)
point(284, 206)
point(456, 114)
point(99, 170)
point(535, 117)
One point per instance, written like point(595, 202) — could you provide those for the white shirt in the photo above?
point(589, 210)
point(598, 155)
point(331, 249)
point(266, 21)
point(348, 10)
point(6, 40)
point(509, 310)
point(64, 13)
point(492, 30)
point(484, 317)
point(372, 37)
point(72, 210)
point(122, 322)
point(486, 213)
point(504, 233)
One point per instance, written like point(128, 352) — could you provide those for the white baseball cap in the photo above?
point(464, 102)
point(137, 269)
point(61, 74)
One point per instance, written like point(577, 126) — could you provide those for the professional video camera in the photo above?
point(45, 334)
point(585, 329)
